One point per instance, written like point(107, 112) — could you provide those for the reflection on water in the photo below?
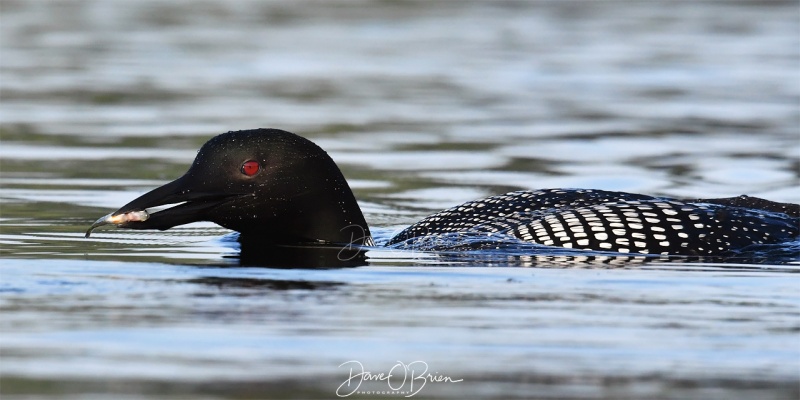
point(424, 105)
point(156, 327)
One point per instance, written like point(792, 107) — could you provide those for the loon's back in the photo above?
point(614, 221)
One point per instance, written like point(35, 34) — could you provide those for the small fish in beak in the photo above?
point(111, 219)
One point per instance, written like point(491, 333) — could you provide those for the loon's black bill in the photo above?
point(175, 203)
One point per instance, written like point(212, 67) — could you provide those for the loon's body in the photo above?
point(611, 221)
point(276, 187)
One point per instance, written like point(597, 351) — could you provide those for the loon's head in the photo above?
point(264, 183)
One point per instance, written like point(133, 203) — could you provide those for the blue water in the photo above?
point(509, 331)
point(424, 105)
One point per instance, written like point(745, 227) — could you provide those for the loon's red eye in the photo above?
point(250, 168)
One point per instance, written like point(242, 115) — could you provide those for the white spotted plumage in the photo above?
point(607, 221)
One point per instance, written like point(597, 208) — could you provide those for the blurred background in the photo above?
point(424, 104)
point(676, 98)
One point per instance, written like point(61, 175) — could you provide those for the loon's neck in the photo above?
point(329, 214)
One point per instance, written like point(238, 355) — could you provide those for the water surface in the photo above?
point(423, 105)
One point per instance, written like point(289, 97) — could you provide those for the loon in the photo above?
point(277, 188)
